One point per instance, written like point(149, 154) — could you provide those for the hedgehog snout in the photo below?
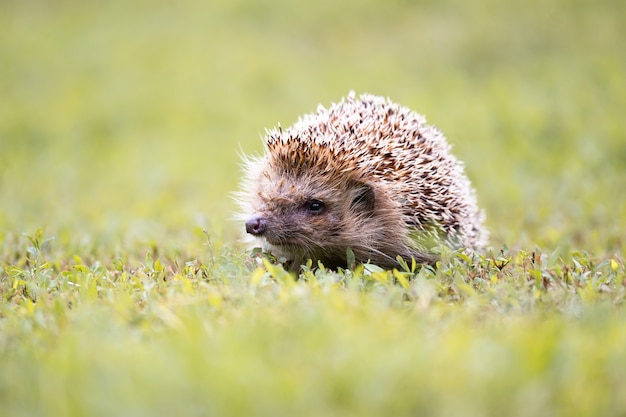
point(256, 225)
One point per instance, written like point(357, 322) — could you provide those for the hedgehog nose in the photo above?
point(256, 226)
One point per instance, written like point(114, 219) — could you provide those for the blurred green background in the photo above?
point(125, 119)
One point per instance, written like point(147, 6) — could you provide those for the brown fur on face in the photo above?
point(354, 215)
point(366, 175)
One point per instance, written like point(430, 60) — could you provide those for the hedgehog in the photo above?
point(364, 180)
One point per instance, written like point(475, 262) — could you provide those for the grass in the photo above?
point(125, 290)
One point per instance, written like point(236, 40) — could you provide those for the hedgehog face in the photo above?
point(304, 217)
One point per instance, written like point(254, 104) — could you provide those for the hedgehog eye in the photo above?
point(314, 206)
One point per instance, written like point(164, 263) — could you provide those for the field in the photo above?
point(125, 291)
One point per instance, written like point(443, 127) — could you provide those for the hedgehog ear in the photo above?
point(363, 199)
